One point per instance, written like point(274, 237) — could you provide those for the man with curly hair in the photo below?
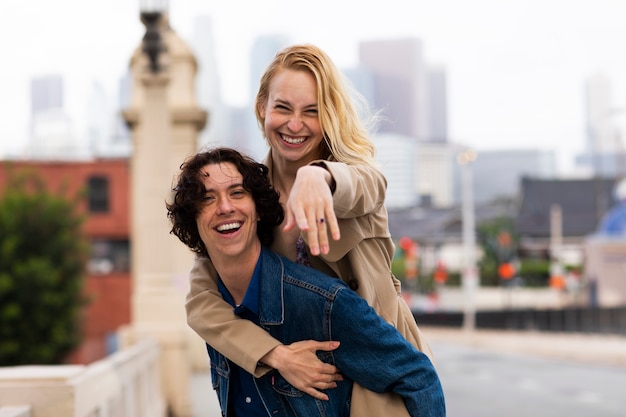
point(224, 208)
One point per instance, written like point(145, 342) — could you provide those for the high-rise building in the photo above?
point(100, 120)
point(51, 130)
point(396, 155)
point(604, 153)
point(208, 91)
point(437, 86)
point(400, 84)
point(362, 80)
point(498, 173)
point(46, 93)
point(121, 143)
point(263, 51)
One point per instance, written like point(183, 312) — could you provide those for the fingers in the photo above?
point(333, 225)
point(290, 222)
point(310, 208)
point(325, 346)
point(319, 395)
point(317, 234)
point(300, 366)
point(316, 224)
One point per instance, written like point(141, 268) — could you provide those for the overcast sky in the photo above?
point(516, 68)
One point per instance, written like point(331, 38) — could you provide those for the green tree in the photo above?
point(42, 259)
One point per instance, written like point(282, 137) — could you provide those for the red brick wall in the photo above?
point(109, 294)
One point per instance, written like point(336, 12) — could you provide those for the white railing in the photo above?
point(125, 384)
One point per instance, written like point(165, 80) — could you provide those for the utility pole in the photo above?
point(470, 272)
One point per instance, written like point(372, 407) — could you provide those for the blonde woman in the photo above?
point(321, 161)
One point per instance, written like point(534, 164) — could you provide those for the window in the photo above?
point(98, 194)
point(108, 255)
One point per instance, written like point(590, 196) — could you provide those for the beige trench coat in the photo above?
point(361, 258)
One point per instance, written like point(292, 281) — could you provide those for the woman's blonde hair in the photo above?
point(343, 114)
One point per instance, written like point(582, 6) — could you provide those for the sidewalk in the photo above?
point(203, 398)
point(597, 349)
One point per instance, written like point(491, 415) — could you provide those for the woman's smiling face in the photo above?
point(292, 125)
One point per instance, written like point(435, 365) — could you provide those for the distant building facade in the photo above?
point(436, 166)
point(208, 85)
point(605, 153)
point(396, 155)
point(52, 132)
point(437, 84)
point(582, 203)
point(263, 51)
point(400, 84)
point(497, 174)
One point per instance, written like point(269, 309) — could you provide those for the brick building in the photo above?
point(107, 286)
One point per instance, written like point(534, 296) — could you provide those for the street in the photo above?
point(512, 374)
point(481, 383)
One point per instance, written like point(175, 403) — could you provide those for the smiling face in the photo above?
point(227, 220)
point(292, 125)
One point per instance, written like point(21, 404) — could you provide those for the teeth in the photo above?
point(229, 226)
point(293, 141)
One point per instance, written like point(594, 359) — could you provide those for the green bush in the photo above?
point(536, 272)
point(42, 258)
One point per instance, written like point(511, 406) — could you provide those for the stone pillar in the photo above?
point(165, 121)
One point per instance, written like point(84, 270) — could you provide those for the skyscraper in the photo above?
point(263, 51)
point(208, 89)
point(411, 94)
point(437, 104)
point(400, 84)
point(605, 148)
point(51, 130)
point(46, 93)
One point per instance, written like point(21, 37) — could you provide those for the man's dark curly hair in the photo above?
point(189, 193)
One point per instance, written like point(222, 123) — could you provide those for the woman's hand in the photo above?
point(301, 367)
point(310, 207)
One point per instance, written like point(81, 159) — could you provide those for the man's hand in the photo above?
point(310, 207)
point(301, 367)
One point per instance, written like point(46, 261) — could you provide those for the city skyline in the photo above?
point(516, 77)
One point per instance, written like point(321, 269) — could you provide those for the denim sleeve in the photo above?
point(375, 355)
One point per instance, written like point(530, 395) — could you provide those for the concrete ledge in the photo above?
point(126, 384)
point(17, 411)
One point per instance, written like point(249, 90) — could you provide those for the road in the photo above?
point(512, 374)
point(483, 383)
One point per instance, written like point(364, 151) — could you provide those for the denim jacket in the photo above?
point(299, 303)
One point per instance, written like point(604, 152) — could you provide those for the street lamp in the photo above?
point(470, 274)
point(151, 13)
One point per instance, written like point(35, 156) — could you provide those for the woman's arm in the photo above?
point(330, 190)
point(213, 319)
point(359, 189)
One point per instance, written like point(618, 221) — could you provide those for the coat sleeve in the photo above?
point(375, 355)
point(213, 320)
point(359, 189)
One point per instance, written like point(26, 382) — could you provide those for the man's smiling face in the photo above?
point(227, 221)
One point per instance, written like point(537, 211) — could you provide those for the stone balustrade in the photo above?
point(125, 384)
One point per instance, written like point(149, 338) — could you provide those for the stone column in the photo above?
point(165, 121)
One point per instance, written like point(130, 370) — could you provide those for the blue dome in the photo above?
point(614, 222)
